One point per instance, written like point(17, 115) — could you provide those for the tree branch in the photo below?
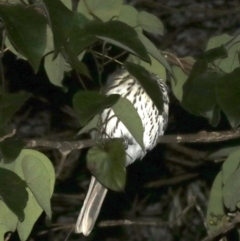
point(201, 137)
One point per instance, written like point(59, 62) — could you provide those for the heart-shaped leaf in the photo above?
point(89, 103)
point(128, 115)
point(228, 96)
point(125, 37)
point(215, 211)
point(29, 37)
point(9, 104)
point(11, 148)
point(107, 164)
point(13, 192)
point(149, 84)
point(150, 23)
point(105, 10)
point(62, 20)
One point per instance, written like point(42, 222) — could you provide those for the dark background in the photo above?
point(180, 170)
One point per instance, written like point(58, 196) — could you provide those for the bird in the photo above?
point(154, 124)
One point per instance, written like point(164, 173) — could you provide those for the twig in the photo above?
point(110, 58)
point(8, 237)
point(80, 80)
point(223, 230)
point(171, 181)
point(8, 135)
point(183, 63)
point(64, 155)
point(1, 58)
point(187, 151)
point(90, 11)
point(125, 222)
point(59, 227)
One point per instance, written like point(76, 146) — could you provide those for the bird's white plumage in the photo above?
point(154, 124)
point(152, 120)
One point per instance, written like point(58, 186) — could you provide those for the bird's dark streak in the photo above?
point(155, 138)
point(127, 93)
point(107, 116)
point(131, 83)
point(165, 119)
point(151, 128)
point(116, 126)
point(151, 120)
point(134, 102)
point(153, 105)
point(129, 88)
point(122, 80)
point(156, 115)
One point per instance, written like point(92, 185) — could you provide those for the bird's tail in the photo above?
point(91, 207)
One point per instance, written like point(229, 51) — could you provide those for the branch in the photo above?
point(183, 63)
point(108, 223)
point(201, 137)
point(171, 181)
point(63, 147)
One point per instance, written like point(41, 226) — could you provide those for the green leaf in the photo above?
point(67, 3)
point(125, 37)
point(231, 195)
point(149, 84)
point(79, 38)
point(13, 49)
point(61, 22)
point(177, 86)
point(33, 210)
point(32, 213)
point(92, 124)
point(13, 192)
point(29, 37)
point(55, 68)
point(214, 116)
point(232, 46)
point(11, 148)
point(128, 15)
point(153, 51)
point(199, 95)
point(230, 165)
point(38, 180)
point(223, 152)
point(89, 103)
point(228, 96)
point(8, 220)
point(108, 164)
point(214, 54)
point(150, 23)
point(50, 45)
point(155, 67)
point(75, 63)
point(217, 41)
point(9, 104)
point(102, 9)
point(215, 211)
point(128, 115)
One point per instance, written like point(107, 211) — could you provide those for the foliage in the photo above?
point(61, 38)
